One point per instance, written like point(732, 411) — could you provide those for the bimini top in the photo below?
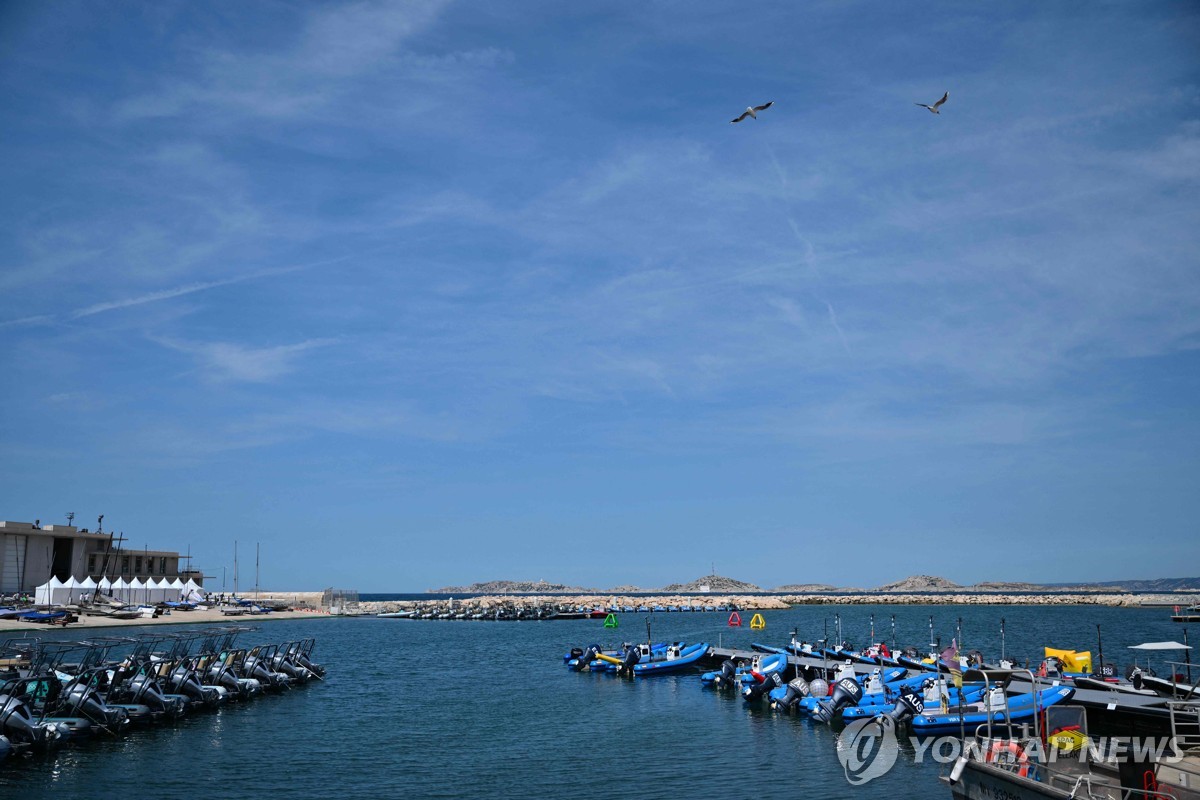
point(1160, 646)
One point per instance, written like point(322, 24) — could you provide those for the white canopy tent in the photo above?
point(138, 592)
point(60, 593)
point(50, 593)
point(72, 586)
point(120, 590)
point(155, 590)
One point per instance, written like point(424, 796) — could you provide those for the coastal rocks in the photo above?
point(806, 588)
point(920, 583)
point(712, 583)
point(948, 598)
point(514, 587)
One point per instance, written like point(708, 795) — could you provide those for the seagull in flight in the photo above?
point(934, 108)
point(753, 111)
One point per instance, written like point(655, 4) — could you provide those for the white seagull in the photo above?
point(753, 111)
point(934, 108)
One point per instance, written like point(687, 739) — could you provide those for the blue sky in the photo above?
point(425, 293)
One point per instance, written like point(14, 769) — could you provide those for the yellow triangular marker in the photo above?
point(757, 623)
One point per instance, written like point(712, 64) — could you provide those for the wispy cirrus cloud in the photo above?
point(333, 46)
point(143, 299)
point(233, 361)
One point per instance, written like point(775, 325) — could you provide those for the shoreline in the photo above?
point(784, 601)
point(207, 617)
point(306, 605)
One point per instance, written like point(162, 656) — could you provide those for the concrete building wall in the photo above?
point(27, 557)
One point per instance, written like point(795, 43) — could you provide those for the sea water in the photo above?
point(465, 709)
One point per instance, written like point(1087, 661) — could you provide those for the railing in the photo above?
point(1185, 723)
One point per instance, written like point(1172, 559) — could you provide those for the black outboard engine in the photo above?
point(587, 658)
point(282, 662)
point(142, 689)
point(1134, 675)
point(256, 667)
point(846, 692)
point(84, 701)
point(911, 653)
point(908, 706)
point(303, 660)
point(632, 656)
point(223, 674)
point(728, 674)
point(756, 691)
point(16, 722)
point(1108, 670)
point(184, 681)
point(576, 652)
point(796, 689)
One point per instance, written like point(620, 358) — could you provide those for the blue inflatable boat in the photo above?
point(676, 659)
point(1021, 708)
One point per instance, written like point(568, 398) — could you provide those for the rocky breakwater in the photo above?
point(486, 603)
point(975, 599)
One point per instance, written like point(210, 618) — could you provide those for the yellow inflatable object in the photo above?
point(1072, 660)
point(609, 659)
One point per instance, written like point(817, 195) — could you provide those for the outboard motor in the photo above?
point(846, 692)
point(256, 668)
point(183, 680)
point(84, 701)
point(632, 656)
point(16, 721)
point(911, 653)
point(728, 673)
point(283, 663)
point(908, 706)
point(755, 691)
point(587, 657)
point(303, 660)
point(575, 653)
point(1134, 675)
point(142, 689)
point(1108, 671)
point(795, 689)
point(222, 675)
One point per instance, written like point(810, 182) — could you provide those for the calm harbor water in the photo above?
point(454, 709)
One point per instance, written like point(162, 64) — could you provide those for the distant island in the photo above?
point(719, 584)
